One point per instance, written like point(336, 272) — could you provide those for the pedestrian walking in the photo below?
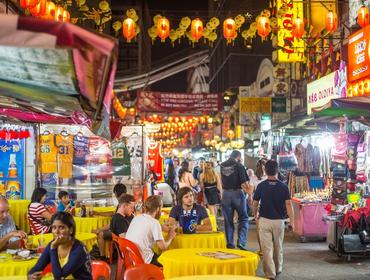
point(272, 196)
point(234, 180)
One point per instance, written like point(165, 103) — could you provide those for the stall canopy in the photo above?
point(349, 107)
point(55, 72)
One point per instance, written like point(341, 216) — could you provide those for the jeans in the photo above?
point(235, 200)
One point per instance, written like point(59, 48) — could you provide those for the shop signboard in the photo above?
point(358, 55)
point(255, 105)
point(12, 169)
point(278, 105)
point(165, 102)
point(320, 92)
point(290, 49)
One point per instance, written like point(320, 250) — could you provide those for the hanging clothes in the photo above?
point(309, 155)
point(120, 159)
point(316, 160)
point(135, 149)
point(155, 160)
point(47, 154)
point(299, 152)
point(65, 155)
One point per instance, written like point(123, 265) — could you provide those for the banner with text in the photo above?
point(12, 169)
point(255, 105)
point(320, 92)
point(290, 49)
point(164, 102)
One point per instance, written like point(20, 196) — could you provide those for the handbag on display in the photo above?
point(340, 184)
point(339, 171)
point(339, 151)
point(361, 177)
point(353, 139)
point(339, 196)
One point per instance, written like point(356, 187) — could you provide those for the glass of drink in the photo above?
point(29, 242)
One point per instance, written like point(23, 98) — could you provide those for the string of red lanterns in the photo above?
point(46, 10)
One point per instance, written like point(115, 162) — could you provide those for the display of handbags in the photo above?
point(339, 196)
point(339, 171)
point(339, 151)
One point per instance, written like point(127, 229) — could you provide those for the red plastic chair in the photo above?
point(100, 270)
point(144, 272)
point(47, 270)
point(128, 255)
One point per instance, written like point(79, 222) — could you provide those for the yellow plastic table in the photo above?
point(18, 211)
point(88, 224)
point(217, 277)
point(88, 239)
point(199, 240)
point(10, 267)
point(212, 218)
point(187, 262)
point(99, 209)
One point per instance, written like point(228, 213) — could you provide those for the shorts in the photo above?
point(212, 195)
point(107, 235)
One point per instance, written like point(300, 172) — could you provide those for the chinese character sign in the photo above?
point(12, 169)
point(290, 49)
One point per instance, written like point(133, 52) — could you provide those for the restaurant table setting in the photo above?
point(208, 261)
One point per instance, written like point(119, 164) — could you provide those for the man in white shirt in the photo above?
point(145, 231)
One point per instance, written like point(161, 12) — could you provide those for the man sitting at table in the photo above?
point(192, 217)
point(105, 233)
point(124, 215)
point(9, 236)
point(145, 231)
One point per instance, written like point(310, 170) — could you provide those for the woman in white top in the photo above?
point(186, 179)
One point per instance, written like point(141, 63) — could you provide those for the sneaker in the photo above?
point(242, 247)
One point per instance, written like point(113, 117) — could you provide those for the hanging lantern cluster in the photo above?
point(119, 108)
point(363, 16)
point(222, 146)
point(263, 26)
point(229, 30)
point(129, 26)
point(45, 9)
point(163, 28)
point(196, 29)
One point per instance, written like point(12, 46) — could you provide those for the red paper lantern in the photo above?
point(331, 21)
point(163, 28)
point(58, 16)
point(39, 9)
point(27, 4)
point(298, 28)
point(229, 29)
point(129, 29)
point(263, 26)
point(363, 16)
point(196, 29)
point(66, 16)
point(50, 11)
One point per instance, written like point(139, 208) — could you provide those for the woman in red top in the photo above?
point(38, 215)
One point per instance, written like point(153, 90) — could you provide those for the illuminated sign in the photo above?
point(290, 49)
point(358, 55)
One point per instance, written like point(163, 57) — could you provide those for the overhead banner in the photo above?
point(164, 102)
point(358, 56)
point(255, 105)
point(290, 49)
point(320, 92)
point(12, 169)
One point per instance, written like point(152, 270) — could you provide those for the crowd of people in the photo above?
point(234, 189)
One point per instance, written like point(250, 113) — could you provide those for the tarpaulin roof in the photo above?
point(349, 107)
point(55, 69)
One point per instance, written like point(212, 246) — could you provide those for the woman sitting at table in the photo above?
point(38, 216)
point(68, 257)
point(192, 217)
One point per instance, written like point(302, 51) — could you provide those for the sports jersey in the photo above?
point(65, 155)
point(120, 159)
point(100, 158)
point(47, 154)
point(155, 160)
point(80, 149)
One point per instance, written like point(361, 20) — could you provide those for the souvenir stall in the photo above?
point(304, 162)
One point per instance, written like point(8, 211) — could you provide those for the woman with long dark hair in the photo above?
point(68, 257)
point(186, 179)
point(38, 216)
